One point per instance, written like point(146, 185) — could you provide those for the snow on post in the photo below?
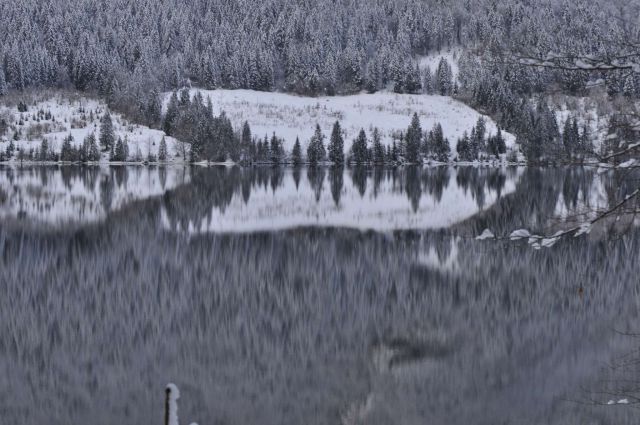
point(171, 405)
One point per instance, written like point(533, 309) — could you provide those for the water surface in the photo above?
point(280, 296)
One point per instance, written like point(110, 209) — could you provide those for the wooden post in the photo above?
point(166, 405)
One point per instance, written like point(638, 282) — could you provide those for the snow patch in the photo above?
point(519, 234)
point(486, 234)
point(291, 116)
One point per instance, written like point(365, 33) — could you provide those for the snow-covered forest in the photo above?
point(508, 56)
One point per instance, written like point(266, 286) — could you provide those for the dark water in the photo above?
point(274, 296)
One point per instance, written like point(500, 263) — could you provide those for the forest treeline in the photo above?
point(131, 52)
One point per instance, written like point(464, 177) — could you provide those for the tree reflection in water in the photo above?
point(316, 324)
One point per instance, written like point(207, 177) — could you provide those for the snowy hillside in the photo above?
point(292, 116)
point(62, 115)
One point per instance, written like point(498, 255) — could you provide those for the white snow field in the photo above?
point(70, 195)
point(385, 208)
point(80, 116)
point(291, 116)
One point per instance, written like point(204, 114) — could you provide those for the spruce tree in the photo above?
point(44, 150)
point(440, 144)
point(245, 142)
point(66, 153)
point(162, 150)
point(93, 153)
point(378, 148)
point(464, 148)
point(275, 150)
point(316, 152)
point(336, 145)
point(427, 81)
point(570, 137)
point(296, 154)
point(500, 142)
point(359, 148)
point(444, 82)
point(107, 136)
point(3, 83)
point(477, 141)
point(413, 140)
point(121, 151)
point(171, 116)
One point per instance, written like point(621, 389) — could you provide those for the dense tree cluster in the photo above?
point(129, 50)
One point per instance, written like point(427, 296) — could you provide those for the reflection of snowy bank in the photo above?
point(430, 199)
point(69, 194)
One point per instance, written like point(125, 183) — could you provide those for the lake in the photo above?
point(313, 296)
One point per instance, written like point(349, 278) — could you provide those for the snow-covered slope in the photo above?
point(78, 116)
point(291, 116)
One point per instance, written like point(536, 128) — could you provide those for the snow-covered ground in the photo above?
point(72, 195)
point(79, 116)
point(431, 61)
point(385, 208)
point(291, 116)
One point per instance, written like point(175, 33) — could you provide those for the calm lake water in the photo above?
point(280, 296)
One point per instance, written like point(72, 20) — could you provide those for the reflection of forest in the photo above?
point(216, 187)
point(297, 326)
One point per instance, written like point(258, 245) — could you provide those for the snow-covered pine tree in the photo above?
point(296, 153)
point(378, 148)
point(162, 150)
point(3, 83)
point(439, 144)
point(427, 81)
point(463, 148)
point(316, 151)
point(93, 153)
point(444, 80)
point(359, 148)
point(107, 135)
point(336, 145)
point(413, 140)
point(43, 154)
point(246, 143)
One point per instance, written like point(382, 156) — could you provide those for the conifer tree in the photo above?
point(316, 151)
point(477, 140)
point(66, 153)
point(500, 143)
point(444, 82)
point(121, 151)
point(44, 150)
point(93, 153)
point(107, 136)
point(359, 148)
point(162, 150)
point(427, 81)
point(336, 145)
point(378, 148)
point(276, 150)
point(440, 145)
point(464, 148)
point(296, 154)
point(245, 142)
point(3, 83)
point(413, 140)
point(171, 116)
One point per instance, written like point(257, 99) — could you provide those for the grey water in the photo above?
point(313, 296)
